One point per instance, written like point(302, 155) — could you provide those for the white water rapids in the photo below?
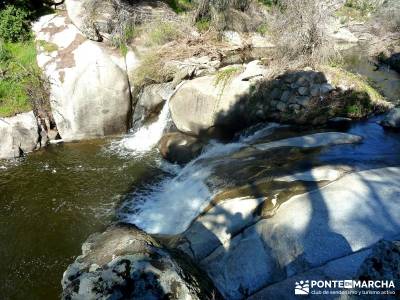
point(170, 206)
point(144, 139)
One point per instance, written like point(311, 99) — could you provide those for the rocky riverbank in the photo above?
point(285, 170)
point(98, 83)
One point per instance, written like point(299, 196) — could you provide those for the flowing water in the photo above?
point(171, 205)
point(52, 200)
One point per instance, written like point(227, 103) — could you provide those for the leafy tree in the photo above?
point(14, 24)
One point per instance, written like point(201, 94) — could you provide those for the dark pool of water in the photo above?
point(50, 202)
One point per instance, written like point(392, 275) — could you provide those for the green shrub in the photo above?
point(5, 54)
point(152, 69)
point(203, 25)
point(270, 3)
point(162, 33)
point(14, 24)
point(180, 6)
point(48, 47)
point(263, 29)
point(21, 84)
point(359, 9)
point(224, 76)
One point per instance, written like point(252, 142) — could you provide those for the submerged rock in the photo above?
point(18, 135)
point(392, 119)
point(126, 263)
point(394, 61)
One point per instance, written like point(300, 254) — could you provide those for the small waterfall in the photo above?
point(170, 206)
point(146, 137)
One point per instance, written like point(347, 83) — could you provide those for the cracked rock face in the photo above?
point(89, 87)
point(126, 263)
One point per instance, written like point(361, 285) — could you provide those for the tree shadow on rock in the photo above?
point(297, 97)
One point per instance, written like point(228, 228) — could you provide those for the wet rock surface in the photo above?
point(178, 147)
point(150, 102)
point(392, 119)
point(126, 263)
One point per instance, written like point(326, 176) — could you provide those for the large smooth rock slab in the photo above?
point(85, 21)
point(18, 135)
point(308, 231)
point(343, 35)
point(313, 140)
point(200, 104)
point(89, 88)
point(379, 262)
point(340, 269)
point(217, 226)
point(321, 173)
point(212, 101)
point(126, 263)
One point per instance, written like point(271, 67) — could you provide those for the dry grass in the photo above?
point(160, 64)
point(387, 18)
point(299, 30)
point(237, 15)
point(340, 77)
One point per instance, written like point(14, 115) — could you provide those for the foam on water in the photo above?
point(170, 206)
point(145, 139)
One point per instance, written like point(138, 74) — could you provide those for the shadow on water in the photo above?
point(50, 202)
point(318, 240)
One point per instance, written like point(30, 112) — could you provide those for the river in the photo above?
point(53, 199)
